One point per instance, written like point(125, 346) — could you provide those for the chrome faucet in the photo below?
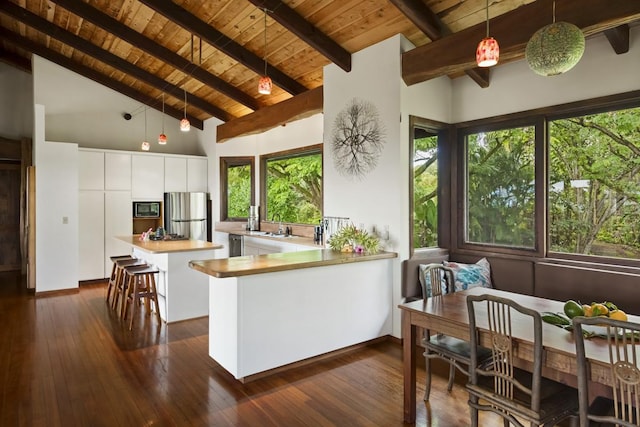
point(279, 217)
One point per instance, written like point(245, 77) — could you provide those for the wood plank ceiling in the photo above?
point(213, 51)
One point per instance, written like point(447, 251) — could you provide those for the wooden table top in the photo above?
point(168, 246)
point(270, 263)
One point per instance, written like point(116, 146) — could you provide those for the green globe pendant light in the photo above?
point(555, 48)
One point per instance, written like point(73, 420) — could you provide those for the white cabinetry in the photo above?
point(175, 174)
point(90, 235)
point(261, 246)
point(197, 175)
point(117, 222)
point(147, 177)
point(90, 170)
point(117, 171)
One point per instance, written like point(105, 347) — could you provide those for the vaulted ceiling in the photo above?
point(213, 51)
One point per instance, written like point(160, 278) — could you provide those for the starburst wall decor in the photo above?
point(357, 139)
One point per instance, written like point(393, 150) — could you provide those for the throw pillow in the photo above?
point(425, 280)
point(471, 275)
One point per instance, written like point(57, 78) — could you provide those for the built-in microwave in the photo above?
point(146, 209)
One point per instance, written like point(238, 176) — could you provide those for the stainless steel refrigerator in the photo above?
point(185, 215)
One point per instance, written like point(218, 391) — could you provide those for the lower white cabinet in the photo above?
point(117, 222)
point(91, 235)
point(261, 246)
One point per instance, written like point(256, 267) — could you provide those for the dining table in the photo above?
point(447, 314)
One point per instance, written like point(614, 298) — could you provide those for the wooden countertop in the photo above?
point(168, 246)
point(270, 263)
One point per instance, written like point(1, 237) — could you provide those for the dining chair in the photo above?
point(622, 338)
point(500, 387)
point(437, 281)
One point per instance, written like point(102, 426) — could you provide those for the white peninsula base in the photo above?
point(259, 322)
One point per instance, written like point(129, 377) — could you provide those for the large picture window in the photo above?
point(594, 184)
point(236, 187)
point(500, 205)
point(291, 184)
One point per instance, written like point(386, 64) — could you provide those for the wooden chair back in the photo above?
point(438, 280)
point(623, 340)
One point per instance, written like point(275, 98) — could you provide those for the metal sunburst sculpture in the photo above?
point(357, 139)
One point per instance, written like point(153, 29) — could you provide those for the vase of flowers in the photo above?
point(352, 239)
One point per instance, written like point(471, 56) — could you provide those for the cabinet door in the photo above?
point(147, 177)
point(197, 175)
point(91, 235)
point(175, 174)
point(90, 170)
point(117, 222)
point(117, 171)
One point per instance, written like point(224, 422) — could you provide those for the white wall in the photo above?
point(514, 87)
point(81, 111)
point(16, 103)
point(56, 210)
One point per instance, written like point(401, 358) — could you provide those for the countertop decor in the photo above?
point(353, 239)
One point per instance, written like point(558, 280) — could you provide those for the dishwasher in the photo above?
point(235, 245)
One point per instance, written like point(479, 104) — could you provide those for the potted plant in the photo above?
point(352, 239)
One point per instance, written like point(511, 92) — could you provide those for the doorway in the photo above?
point(10, 185)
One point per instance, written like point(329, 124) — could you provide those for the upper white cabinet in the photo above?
point(147, 177)
point(117, 171)
point(90, 170)
point(175, 174)
point(197, 174)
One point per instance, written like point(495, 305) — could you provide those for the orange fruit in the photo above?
point(618, 315)
point(588, 310)
point(598, 309)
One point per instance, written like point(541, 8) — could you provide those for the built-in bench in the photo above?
point(548, 278)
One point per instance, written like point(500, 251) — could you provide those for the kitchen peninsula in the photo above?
point(182, 292)
point(268, 311)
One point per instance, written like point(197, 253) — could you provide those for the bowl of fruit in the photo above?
point(595, 309)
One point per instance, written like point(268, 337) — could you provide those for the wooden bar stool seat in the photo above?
point(141, 285)
point(119, 286)
point(112, 278)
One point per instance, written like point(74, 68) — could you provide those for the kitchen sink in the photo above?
point(258, 233)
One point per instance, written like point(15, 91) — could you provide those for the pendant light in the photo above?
point(265, 84)
point(145, 145)
point(555, 48)
point(488, 51)
point(162, 138)
point(184, 123)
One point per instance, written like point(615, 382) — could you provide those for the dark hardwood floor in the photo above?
point(66, 360)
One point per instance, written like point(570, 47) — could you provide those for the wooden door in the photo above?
point(10, 257)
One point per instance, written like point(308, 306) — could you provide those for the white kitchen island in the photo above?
point(268, 311)
point(182, 292)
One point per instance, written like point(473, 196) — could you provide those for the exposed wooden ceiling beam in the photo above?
point(14, 60)
point(619, 38)
point(295, 108)
point(429, 23)
point(108, 58)
point(83, 70)
point(189, 21)
point(292, 21)
point(456, 53)
point(115, 27)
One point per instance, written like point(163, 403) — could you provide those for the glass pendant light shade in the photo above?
point(555, 49)
point(488, 52)
point(264, 85)
point(184, 123)
point(162, 138)
point(145, 146)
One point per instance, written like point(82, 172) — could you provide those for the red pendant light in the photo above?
point(162, 138)
point(265, 84)
point(488, 51)
point(184, 123)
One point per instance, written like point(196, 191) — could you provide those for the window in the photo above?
point(291, 185)
point(594, 184)
point(500, 183)
point(236, 187)
point(424, 184)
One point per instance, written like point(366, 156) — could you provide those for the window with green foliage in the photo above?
point(425, 187)
point(594, 184)
point(291, 185)
point(237, 183)
point(500, 205)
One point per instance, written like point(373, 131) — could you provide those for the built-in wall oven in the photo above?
point(146, 209)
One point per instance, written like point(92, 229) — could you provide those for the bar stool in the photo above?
point(119, 285)
point(114, 270)
point(140, 284)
